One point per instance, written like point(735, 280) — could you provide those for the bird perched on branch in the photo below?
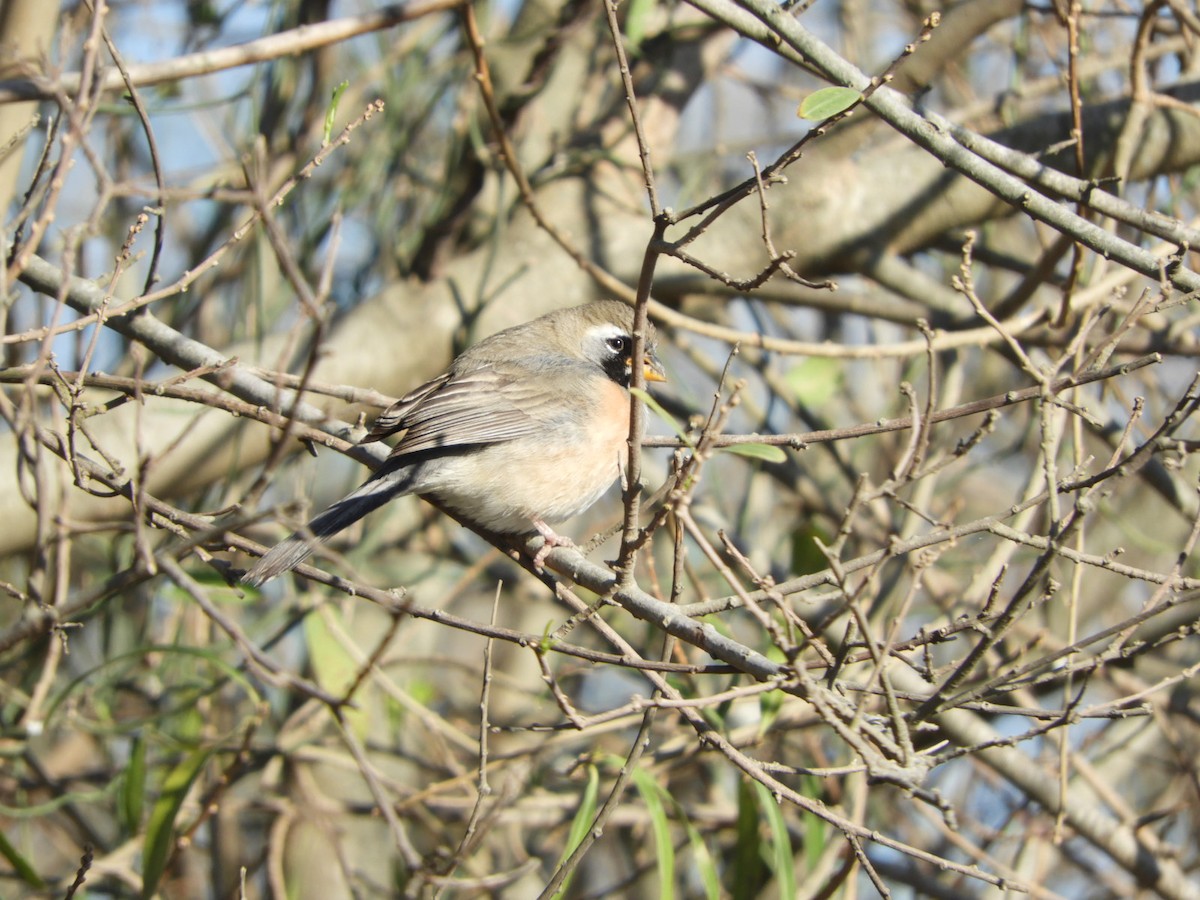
point(526, 428)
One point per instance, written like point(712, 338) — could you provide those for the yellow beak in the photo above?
point(652, 369)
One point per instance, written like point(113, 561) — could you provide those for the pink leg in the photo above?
point(551, 540)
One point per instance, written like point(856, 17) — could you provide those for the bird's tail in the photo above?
point(292, 551)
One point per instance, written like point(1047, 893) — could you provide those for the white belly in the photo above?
point(551, 479)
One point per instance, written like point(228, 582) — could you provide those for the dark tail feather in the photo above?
point(292, 551)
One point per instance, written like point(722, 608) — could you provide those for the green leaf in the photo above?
point(187, 724)
point(657, 409)
point(334, 669)
point(331, 113)
point(827, 102)
point(637, 18)
point(584, 817)
point(20, 864)
point(807, 557)
point(769, 705)
point(702, 859)
point(664, 849)
point(133, 787)
point(749, 873)
point(160, 828)
point(112, 670)
point(765, 452)
point(814, 828)
point(709, 877)
point(815, 381)
point(781, 842)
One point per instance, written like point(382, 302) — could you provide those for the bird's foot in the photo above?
point(550, 540)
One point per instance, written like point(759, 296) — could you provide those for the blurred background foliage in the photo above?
point(921, 672)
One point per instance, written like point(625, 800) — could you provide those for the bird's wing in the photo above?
point(392, 420)
point(483, 406)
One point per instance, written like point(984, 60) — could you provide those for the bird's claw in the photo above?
point(550, 540)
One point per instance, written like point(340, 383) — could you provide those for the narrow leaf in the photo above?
point(748, 870)
point(664, 849)
point(20, 864)
point(765, 452)
point(827, 102)
point(707, 867)
point(702, 860)
point(584, 817)
point(657, 409)
point(814, 828)
point(160, 828)
point(133, 787)
point(781, 842)
point(331, 112)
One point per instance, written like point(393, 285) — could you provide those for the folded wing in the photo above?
point(484, 406)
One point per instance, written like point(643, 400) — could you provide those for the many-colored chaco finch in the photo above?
point(526, 428)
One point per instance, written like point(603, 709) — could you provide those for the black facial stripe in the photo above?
point(616, 367)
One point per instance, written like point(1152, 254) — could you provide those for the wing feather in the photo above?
point(392, 420)
point(483, 406)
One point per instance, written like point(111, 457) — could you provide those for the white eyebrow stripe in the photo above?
point(607, 330)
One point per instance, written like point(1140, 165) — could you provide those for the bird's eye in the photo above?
point(617, 344)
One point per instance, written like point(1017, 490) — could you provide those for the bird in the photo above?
point(525, 429)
